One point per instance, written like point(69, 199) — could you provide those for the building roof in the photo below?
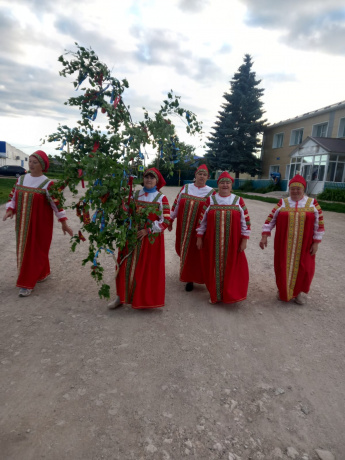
point(330, 144)
point(328, 108)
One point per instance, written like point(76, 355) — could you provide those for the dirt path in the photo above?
point(259, 380)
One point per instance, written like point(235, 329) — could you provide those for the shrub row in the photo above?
point(332, 194)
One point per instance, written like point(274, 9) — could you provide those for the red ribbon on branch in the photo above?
point(95, 146)
point(117, 100)
point(80, 174)
point(81, 236)
point(80, 210)
point(130, 183)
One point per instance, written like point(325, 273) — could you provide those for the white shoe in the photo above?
point(115, 303)
point(299, 299)
point(24, 292)
point(44, 279)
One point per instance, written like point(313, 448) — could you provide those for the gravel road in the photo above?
point(257, 380)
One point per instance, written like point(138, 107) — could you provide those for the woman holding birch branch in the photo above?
point(140, 281)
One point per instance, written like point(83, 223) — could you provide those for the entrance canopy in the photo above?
point(319, 160)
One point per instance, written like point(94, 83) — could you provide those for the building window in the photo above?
point(332, 165)
point(320, 130)
point(294, 168)
point(339, 173)
point(341, 130)
point(292, 171)
point(278, 140)
point(273, 169)
point(319, 167)
point(296, 136)
point(336, 169)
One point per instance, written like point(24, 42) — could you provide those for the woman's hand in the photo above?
point(66, 228)
point(313, 249)
point(263, 242)
point(8, 214)
point(243, 245)
point(142, 233)
point(170, 226)
point(199, 242)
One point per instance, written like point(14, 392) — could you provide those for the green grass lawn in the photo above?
point(6, 186)
point(325, 205)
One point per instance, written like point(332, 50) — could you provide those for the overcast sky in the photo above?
point(191, 46)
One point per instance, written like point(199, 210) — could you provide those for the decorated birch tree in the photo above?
point(101, 159)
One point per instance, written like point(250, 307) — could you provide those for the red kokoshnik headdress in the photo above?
point(42, 158)
point(202, 168)
point(298, 180)
point(225, 177)
point(160, 179)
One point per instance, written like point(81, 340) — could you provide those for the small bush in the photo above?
point(332, 194)
point(270, 188)
point(247, 186)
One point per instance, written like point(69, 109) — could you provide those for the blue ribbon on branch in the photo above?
point(112, 97)
point(161, 149)
point(129, 140)
point(94, 116)
point(103, 89)
point(81, 78)
point(98, 251)
point(188, 118)
point(94, 217)
point(124, 177)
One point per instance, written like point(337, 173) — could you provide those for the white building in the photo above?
point(9, 155)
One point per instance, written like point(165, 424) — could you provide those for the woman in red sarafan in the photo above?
point(187, 209)
point(299, 230)
point(33, 206)
point(222, 239)
point(141, 278)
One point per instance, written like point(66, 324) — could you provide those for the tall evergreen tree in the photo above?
point(235, 140)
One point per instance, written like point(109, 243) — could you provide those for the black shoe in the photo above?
point(189, 287)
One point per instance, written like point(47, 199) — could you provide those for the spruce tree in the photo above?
point(235, 140)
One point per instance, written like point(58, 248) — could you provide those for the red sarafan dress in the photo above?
point(141, 278)
point(34, 208)
point(187, 208)
point(298, 224)
point(225, 222)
